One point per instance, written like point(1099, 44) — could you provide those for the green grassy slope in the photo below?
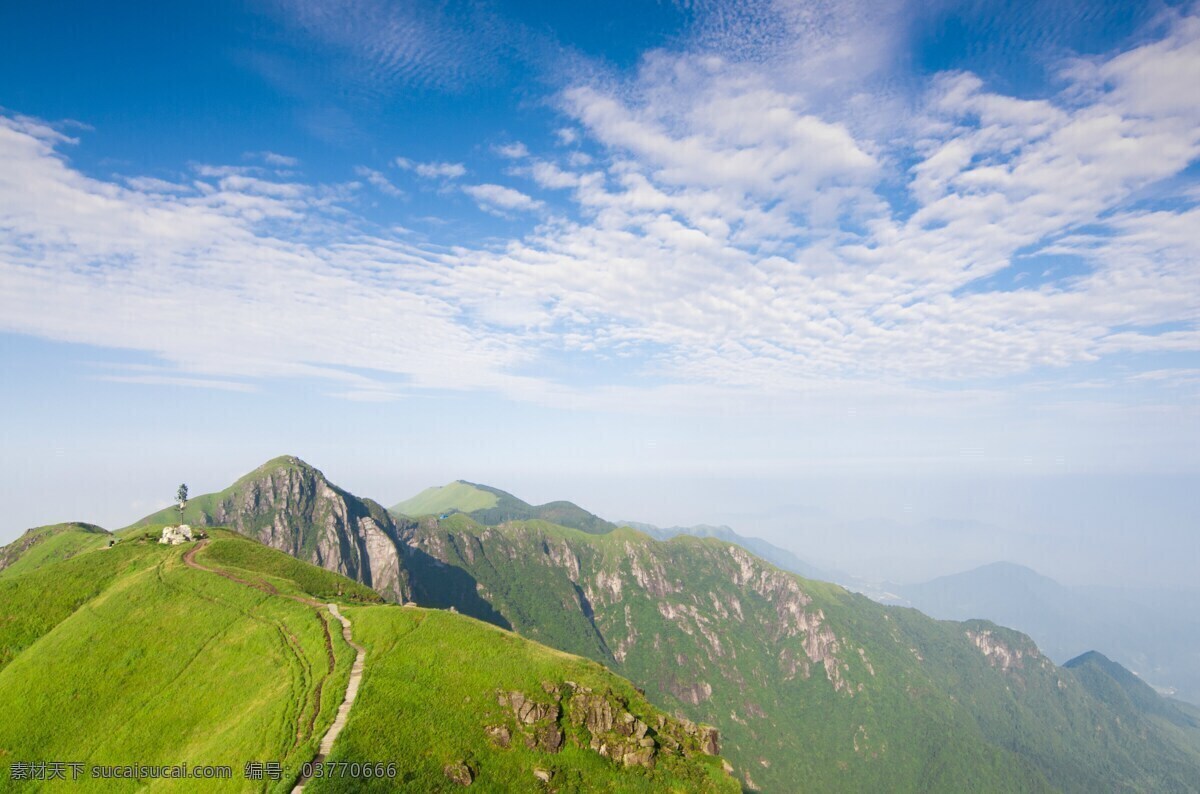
point(812, 686)
point(458, 495)
point(126, 654)
point(432, 695)
point(50, 543)
point(33, 603)
point(490, 506)
point(165, 664)
point(1127, 694)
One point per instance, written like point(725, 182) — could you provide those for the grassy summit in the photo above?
point(54, 542)
point(489, 505)
point(137, 657)
point(460, 496)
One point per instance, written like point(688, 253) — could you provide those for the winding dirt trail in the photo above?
point(343, 712)
point(356, 670)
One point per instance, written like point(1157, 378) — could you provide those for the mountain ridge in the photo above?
point(809, 683)
point(701, 624)
point(490, 505)
point(776, 555)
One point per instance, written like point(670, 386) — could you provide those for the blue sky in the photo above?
point(679, 262)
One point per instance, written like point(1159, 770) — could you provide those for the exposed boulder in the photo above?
point(173, 536)
point(536, 721)
point(459, 773)
point(500, 735)
point(600, 721)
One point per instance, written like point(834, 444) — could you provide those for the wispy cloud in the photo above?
point(387, 46)
point(378, 181)
point(274, 159)
point(728, 240)
point(500, 197)
point(513, 151)
point(174, 380)
point(432, 170)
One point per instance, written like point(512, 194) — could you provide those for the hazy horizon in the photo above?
point(1073, 528)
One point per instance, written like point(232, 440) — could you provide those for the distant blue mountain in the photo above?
point(1155, 633)
point(779, 557)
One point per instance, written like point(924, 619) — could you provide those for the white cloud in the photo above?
point(385, 46)
point(432, 170)
point(378, 181)
point(149, 184)
point(730, 240)
point(501, 197)
point(276, 159)
point(548, 175)
point(513, 151)
point(218, 284)
point(173, 380)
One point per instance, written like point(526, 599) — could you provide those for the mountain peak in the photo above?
point(289, 462)
point(489, 505)
point(1124, 690)
point(290, 505)
point(1089, 657)
point(459, 495)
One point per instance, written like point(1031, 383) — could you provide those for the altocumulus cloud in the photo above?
point(726, 234)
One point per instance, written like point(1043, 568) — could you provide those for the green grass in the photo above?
point(43, 545)
point(127, 655)
point(162, 664)
point(34, 602)
point(430, 693)
point(458, 495)
point(287, 573)
point(492, 506)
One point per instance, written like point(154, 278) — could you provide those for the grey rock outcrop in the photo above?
point(601, 721)
point(459, 773)
point(291, 506)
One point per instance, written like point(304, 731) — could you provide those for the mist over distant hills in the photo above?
point(776, 555)
point(1153, 631)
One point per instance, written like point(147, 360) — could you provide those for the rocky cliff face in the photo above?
point(572, 714)
point(812, 687)
point(291, 506)
point(705, 627)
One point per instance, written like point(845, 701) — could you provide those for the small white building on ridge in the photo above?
point(173, 536)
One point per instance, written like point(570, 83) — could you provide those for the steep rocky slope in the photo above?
point(289, 505)
point(812, 686)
